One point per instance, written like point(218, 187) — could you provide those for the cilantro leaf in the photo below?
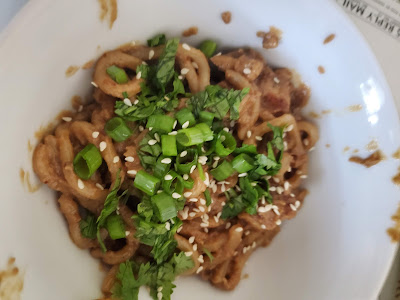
point(248, 149)
point(208, 253)
point(277, 140)
point(134, 112)
point(165, 67)
point(88, 226)
point(181, 263)
point(157, 40)
point(233, 207)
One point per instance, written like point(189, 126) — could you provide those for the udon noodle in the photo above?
point(219, 248)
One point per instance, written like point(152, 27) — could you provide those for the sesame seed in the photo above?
point(238, 188)
point(214, 188)
point(152, 142)
point(180, 77)
point(127, 233)
point(186, 46)
point(242, 174)
point(275, 179)
point(293, 207)
point(176, 196)
point(292, 195)
point(166, 98)
point(239, 229)
point(185, 176)
point(228, 225)
point(246, 71)
point(202, 159)
point(276, 80)
point(67, 119)
point(223, 188)
point(150, 128)
point(195, 65)
point(94, 84)
point(141, 128)
point(248, 134)
point(272, 189)
point(202, 201)
point(159, 296)
point(157, 137)
point(151, 54)
point(201, 259)
point(173, 133)
point(254, 184)
point(286, 185)
point(244, 250)
point(311, 149)
point(247, 232)
point(103, 146)
point(133, 43)
point(168, 177)
point(132, 172)
point(127, 102)
point(116, 159)
point(279, 190)
point(222, 138)
point(193, 200)
point(159, 191)
point(285, 145)
point(192, 214)
point(261, 209)
point(289, 128)
point(179, 229)
point(160, 288)
point(297, 204)
point(202, 209)
point(139, 75)
point(218, 54)
point(183, 153)
point(276, 210)
point(187, 194)
point(263, 227)
point(185, 125)
point(81, 185)
point(144, 63)
point(203, 225)
point(166, 161)
point(136, 102)
point(223, 203)
point(215, 164)
point(226, 129)
point(303, 176)
point(196, 210)
point(80, 108)
point(268, 207)
point(168, 226)
point(184, 71)
point(278, 222)
point(195, 247)
point(259, 138)
point(217, 158)
point(130, 159)
point(199, 269)
point(99, 186)
point(192, 169)
point(189, 253)
point(232, 123)
point(175, 123)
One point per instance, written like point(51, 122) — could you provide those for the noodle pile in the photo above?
point(217, 247)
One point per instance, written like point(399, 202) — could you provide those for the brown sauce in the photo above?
point(76, 102)
point(394, 232)
point(88, 65)
point(24, 177)
point(345, 149)
point(108, 8)
point(396, 179)
point(396, 155)
point(328, 145)
point(372, 146)
point(329, 38)
point(321, 69)
point(11, 281)
point(71, 71)
point(226, 16)
point(355, 151)
point(354, 108)
point(313, 114)
point(370, 161)
point(44, 130)
point(245, 276)
point(190, 31)
point(30, 146)
point(64, 113)
point(326, 111)
point(270, 39)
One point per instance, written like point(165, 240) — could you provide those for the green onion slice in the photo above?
point(146, 183)
point(173, 183)
point(223, 171)
point(206, 130)
point(190, 136)
point(206, 117)
point(243, 163)
point(208, 47)
point(161, 169)
point(87, 161)
point(164, 206)
point(160, 123)
point(207, 195)
point(117, 74)
point(168, 145)
point(185, 115)
point(117, 129)
point(185, 163)
point(115, 227)
point(225, 143)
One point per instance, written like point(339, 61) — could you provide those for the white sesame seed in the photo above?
point(254, 184)
point(218, 54)
point(144, 63)
point(179, 229)
point(132, 172)
point(276, 210)
point(278, 222)
point(160, 288)
point(151, 54)
point(133, 43)
point(228, 225)
point(293, 207)
point(166, 161)
point(303, 176)
point(202, 159)
point(81, 185)
point(99, 186)
point(175, 123)
point(289, 128)
point(166, 98)
point(223, 188)
point(187, 194)
point(136, 102)
point(279, 190)
point(238, 188)
point(185, 125)
point(189, 253)
point(199, 269)
point(150, 128)
point(67, 119)
point(196, 210)
point(157, 137)
point(192, 169)
point(186, 46)
point(94, 84)
point(261, 209)
point(183, 153)
point(203, 225)
point(263, 227)
point(223, 203)
point(195, 65)
point(173, 133)
point(159, 191)
point(192, 214)
point(268, 207)
point(127, 233)
point(115, 159)
point(103, 146)
point(232, 123)
point(168, 177)
point(286, 185)
point(275, 179)
point(180, 77)
point(141, 128)
point(80, 108)
point(168, 226)
point(244, 250)
point(127, 102)
point(185, 176)
point(259, 138)
point(195, 247)
point(215, 164)
point(226, 129)
point(130, 159)
point(176, 196)
point(214, 188)
point(159, 296)
point(247, 232)
point(202, 209)
point(201, 259)
point(242, 175)
point(193, 200)
point(202, 201)
point(276, 80)
point(248, 134)
point(297, 204)
point(217, 158)
point(184, 71)
point(311, 149)
point(152, 142)
point(139, 75)
point(272, 189)
point(246, 71)
point(222, 138)
point(239, 229)
point(292, 195)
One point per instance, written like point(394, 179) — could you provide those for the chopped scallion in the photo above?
point(225, 143)
point(117, 129)
point(117, 74)
point(146, 183)
point(223, 171)
point(87, 161)
point(243, 163)
point(115, 227)
point(160, 122)
point(168, 145)
point(164, 206)
point(208, 47)
point(185, 115)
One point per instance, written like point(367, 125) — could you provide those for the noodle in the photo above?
point(218, 246)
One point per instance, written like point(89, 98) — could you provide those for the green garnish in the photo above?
point(146, 183)
point(208, 253)
point(208, 47)
point(117, 129)
point(225, 143)
point(185, 115)
point(88, 226)
point(164, 206)
point(157, 40)
point(87, 161)
point(243, 163)
point(168, 145)
point(115, 227)
point(223, 171)
point(117, 74)
point(161, 123)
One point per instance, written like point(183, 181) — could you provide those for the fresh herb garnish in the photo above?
point(157, 40)
point(88, 226)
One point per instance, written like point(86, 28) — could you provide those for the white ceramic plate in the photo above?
point(336, 248)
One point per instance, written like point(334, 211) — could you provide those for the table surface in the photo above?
point(8, 9)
